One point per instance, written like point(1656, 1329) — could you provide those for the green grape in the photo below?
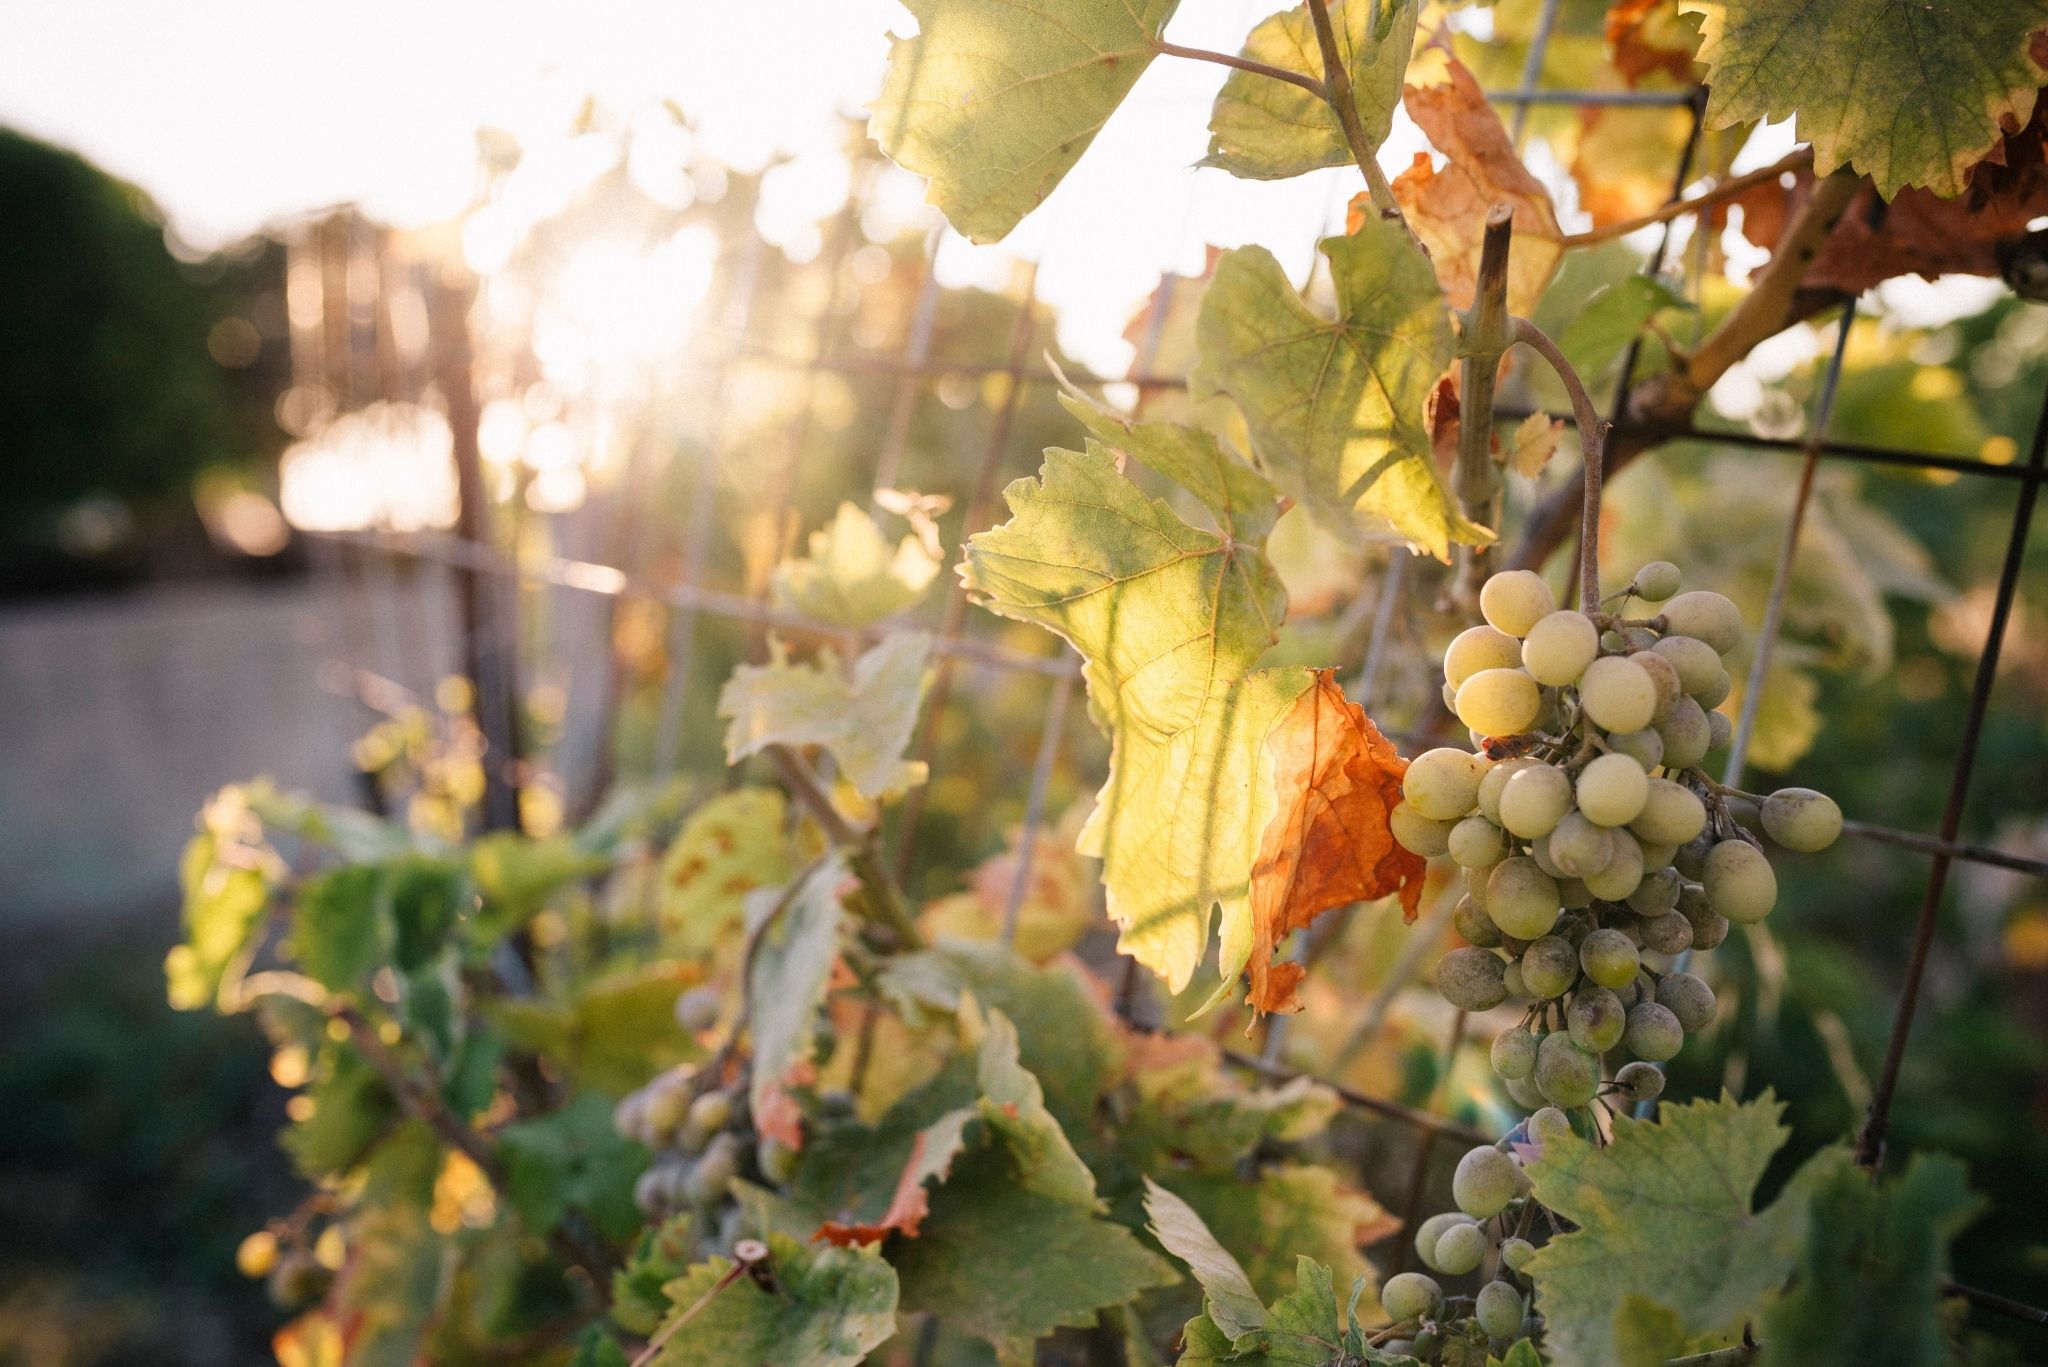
point(1709, 934)
point(1574, 893)
point(1653, 1032)
point(1691, 859)
point(1521, 898)
point(1524, 1092)
point(1617, 695)
point(711, 1179)
point(1442, 784)
point(1635, 640)
point(1471, 979)
point(1496, 779)
point(1657, 581)
point(1550, 966)
point(1534, 800)
point(1547, 1124)
point(708, 1115)
point(1473, 925)
point(1484, 1182)
point(1578, 848)
point(1713, 696)
point(1623, 874)
point(1498, 1308)
point(1612, 790)
point(1664, 675)
point(1476, 843)
point(1511, 981)
point(1657, 893)
point(1686, 734)
point(1705, 616)
point(776, 1160)
point(1514, 1052)
point(1668, 934)
point(1696, 662)
point(1426, 1344)
point(1539, 850)
point(1595, 1019)
point(1560, 647)
point(1499, 702)
point(1516, 600)
point(1640, 1082)
point(1672, 813)
point(1645, 747)
point(698, 1008)
point(1478, 648)
point(1720, 730)
point(1801, 819)
point(1609, 958)
point(1417, 834)
point(1459, 1249)
point(1739, 882)
point(1410, 1296)
point(1515, 1253)
point(1429, 1231)
point(1566, 1074)
point(1689, 999)
point(1655, 857)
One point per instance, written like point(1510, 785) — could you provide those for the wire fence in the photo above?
point(496, 573)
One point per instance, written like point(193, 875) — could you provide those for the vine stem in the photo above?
point(1278, 73)
point(1337, 91)
point(1679, 208)
point(1476, 479)
point(888, 903)
point(1593, 438)
point(747, 1255)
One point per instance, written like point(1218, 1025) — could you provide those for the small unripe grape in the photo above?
point(1640, 1082)
point(1609, 958)
point(1539, 850)
point(1511, 981)
point(1653, 1032)
point(1691, 859)
point(1665, 678)
point(1410, 1296)
point(1612, 790)
point(661, 1112)
point(1495, 780)
point(1696, 662)
point(1498, 1308)
point(1499, 702)
point(1442, 784)
point(1645, 747)
point(1418, 834)
point(1668, 934)
point(1623, 874)
point(1713, 695)
point(1534, 800)
point(1470, 979)
point(1516, 600)
point(1720, 730)
point(1656, 858)
point(711, 1178)
point(1515, 1253)
point(1801, 819)
point(1657, 581)
point(1595, 1019)
point(1617, 695)
point(1477, 648)
point(1524, 1092)
point(1689, 999)
point(1566, 1074)
point(1706, 616)
point(1473, 925)
point(1709, 934)
point(1579, 848)
point(1739, 882)
point(1550, 966)
point(1476, 843)
point(1672, 813)
point(698, 1008)
point(1484, 1182)
point(1522, 899)
point(1560, 647)
point(1686, 734)
point(1459, 1249)
point(1428, 1232)
point(1548, 1124)
point(1657, 893)
point(1514, 1052)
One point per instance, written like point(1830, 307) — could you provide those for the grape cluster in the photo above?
point(1594, 848)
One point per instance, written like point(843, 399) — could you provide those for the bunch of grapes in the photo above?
point(1595, 850)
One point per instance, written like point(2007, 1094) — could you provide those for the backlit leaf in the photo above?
point(865, 720)
point(828, 1307)
point(731, 845)
point(853, 577)
point(790, 973)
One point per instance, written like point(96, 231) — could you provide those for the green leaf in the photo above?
point(1231, 1305)
point(639, 1295)
point(608, 1034)
point(729, 846)
point(1613, 318)
point(392, 1286)
point(1194, 1113)
point(864, 721)
point(223, 905)
point(572, 1159)
point(351, 1109)
point(597, 1348)
point(852, 576)
point(1292, 1210)
point(1666, 1236)
point(338, 936)
point(1302, 1329)
point(1907, 94)
point(995, 100)
point(1170, 620)
point(829, 1307)
point(1243, 501)
point(1870, 1278)
point(790, 973)
point(1523, 1354)
point(1265, 129)
point(1336, 405)
point(516, 874)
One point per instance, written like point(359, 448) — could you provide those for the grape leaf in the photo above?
point(1292, 1209)
point(572, 1158)
point(1264, 129)
point(389, 1293)
point(1612, 318)
point(1668, 1247)
point(1058, 905)
point(1447, 208)
point(1335, 405)
point(1229, 1301)
point(225, 875)
point(639, 1304)
point(1170, 620)
point(1242, 500)
point(351, 1108)
point(1649, 37)
point(338, 937)
point(731, 845)
point(516, 874)
point(1330, 843)
point(995, 100)
point(826, 1307)
point(1870, 1279)
point(864, 721)
point(852, 577)
point(1907, 94)
point(609, 1032)
point(790, 972)
point(1302, 1329)
point(1190, 1112)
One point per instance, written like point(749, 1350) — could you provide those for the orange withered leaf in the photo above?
point(1329, 843)
point(1647, 36)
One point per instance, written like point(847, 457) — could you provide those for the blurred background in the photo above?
point(383, 386)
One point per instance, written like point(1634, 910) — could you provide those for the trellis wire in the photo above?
point(915, 367)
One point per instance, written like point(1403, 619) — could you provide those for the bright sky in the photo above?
point(237, 113)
